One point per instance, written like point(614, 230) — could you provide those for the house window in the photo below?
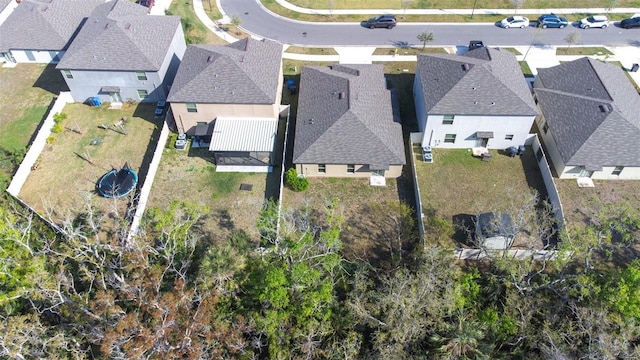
point(545, 128)
point(450, 138)
point(539, 154)
point(351, 168)
point(143, 94)
point(141, 75)
point(68, 74)
point(617, 170)
point(447, 119)
point(191, 107)
point(322, 168)
point(508, 137)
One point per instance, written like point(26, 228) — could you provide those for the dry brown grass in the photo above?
point(356, 201)
point(190, 176)
point(63, 178)
point(581, 204)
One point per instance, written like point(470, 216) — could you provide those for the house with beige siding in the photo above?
point(476, 99)
point(123, 54)
point(346, 125)
point(39, 31)
point(227, 97)
point(590, 120)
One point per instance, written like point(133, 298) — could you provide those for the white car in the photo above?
point(600, 21)
point(515, 22)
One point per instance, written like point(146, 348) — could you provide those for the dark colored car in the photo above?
point(630, 23)
point(552, 20)
point(146, 3)
point(382, 21)
point(475, 44)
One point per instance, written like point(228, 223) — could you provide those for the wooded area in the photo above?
point(172, 292)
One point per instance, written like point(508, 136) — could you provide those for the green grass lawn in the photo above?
point(311, 50)
point(455, 4)
point(194, 31)
point(409, 51)
point(25, 95)
point(586, 51)
point(457, 184)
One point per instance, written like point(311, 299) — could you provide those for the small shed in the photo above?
point(494, 231)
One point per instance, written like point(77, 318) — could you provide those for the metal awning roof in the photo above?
point(484, 134)
point(110, 89)
point(244, 134)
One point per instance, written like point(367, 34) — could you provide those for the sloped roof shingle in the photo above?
point(483, 81)
point(44, 24)
point(120, 35)
point(345, 116)
point(244, 72)
point(593, 113)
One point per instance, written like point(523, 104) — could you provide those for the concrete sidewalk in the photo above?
point(476, 11)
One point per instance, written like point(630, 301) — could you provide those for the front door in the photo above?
point(115, 97)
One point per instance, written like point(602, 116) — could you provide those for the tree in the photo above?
point(517, 4)
point(572, 39)
point(236, 21)
point(425, 37)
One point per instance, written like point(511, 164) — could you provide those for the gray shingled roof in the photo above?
point(345, 116)
point(244, 72)
point(483, 81)
point(593, 113)
point(44, 24)
point(120, 35)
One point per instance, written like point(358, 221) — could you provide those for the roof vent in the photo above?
point(127, 26)
point(465, 67)
point(475, 103)
point(473, 88)
point(493, 103)
point(310, 121)
point(210, 59)
point(606, 108)
point(342, 95)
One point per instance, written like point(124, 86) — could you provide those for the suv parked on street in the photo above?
point(552, 20)
point(630, 23)
point(381, 21)
point(600, 21)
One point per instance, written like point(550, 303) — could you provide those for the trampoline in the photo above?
point(117, 183)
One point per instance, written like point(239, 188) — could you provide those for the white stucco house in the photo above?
point(477, 99)
point(121, 53)
point(39, 31)
point(590, 120)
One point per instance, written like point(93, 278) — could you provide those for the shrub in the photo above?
point(296, 183)
point(51, 139)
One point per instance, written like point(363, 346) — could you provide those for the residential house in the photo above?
point(227, 97)
point(122, 53)
point(346, 125)
point(477, 99)
point(590, 121)
point(39, 31)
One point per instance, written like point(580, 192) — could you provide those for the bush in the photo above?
point(296, 183)
point(51, 139)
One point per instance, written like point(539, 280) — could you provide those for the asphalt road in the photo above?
point(259, 21)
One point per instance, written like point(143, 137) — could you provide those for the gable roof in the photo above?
point(345, 116)
point(120, 35)
point(592, 111)
point(244, 72)
point(483, 81)
point(44, 24)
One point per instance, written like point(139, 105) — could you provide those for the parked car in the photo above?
point(146, 3)
point(552, 20)
point(475, 44)
point(382, 21)
point(600, 21)
point(514, 22)
point(630, 22)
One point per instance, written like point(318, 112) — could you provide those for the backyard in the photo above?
point(26, 92)
point(63, 181)
point(190, 176)
point(457, 186)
